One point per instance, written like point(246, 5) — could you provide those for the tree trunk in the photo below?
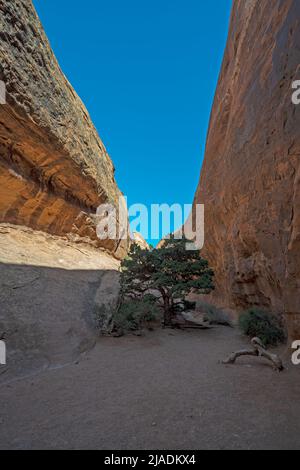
point(168, 314)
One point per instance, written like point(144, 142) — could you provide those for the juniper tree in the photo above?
point(166, 275)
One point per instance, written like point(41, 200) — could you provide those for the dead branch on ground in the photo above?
point(258, 350)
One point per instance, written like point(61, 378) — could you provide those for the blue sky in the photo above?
point(147, 72)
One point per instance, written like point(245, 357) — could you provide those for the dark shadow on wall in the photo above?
point(47, 315)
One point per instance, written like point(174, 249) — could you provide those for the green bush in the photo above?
point(133, 315)
point(216, 316)
point(213, 315)
point(262, 324)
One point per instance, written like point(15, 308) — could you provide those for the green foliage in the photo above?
point(169, 274)
point(135, 314)
point(261, 324)
point(213, 314)
point(217, 316)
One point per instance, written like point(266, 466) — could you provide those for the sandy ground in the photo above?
point(163, 391)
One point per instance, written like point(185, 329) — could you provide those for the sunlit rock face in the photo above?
point(54, 169)
point(139, 240)
point(250, 182)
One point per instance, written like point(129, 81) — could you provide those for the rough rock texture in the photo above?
point(54, 169)
point(250, 182)
point(139, 240)
point(51, 293)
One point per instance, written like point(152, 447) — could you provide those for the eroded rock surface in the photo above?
point(250, 182)
point(139, 240)
point(54, 169)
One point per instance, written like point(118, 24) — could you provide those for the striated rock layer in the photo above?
point(54, 169)
point(250, 182)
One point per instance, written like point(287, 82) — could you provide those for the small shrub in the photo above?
point(264, 325)
point(134, 315)
point(218, 317)
point(214, 315)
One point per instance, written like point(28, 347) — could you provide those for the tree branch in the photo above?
point(259, 351)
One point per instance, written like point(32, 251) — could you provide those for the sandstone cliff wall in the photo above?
point(250, 181)
point(54, 169)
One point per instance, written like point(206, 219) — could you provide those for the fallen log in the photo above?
point(258, 350)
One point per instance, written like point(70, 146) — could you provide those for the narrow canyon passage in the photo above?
point(86, 363)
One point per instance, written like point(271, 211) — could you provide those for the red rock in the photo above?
point(54, 169)
point(250, 181)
